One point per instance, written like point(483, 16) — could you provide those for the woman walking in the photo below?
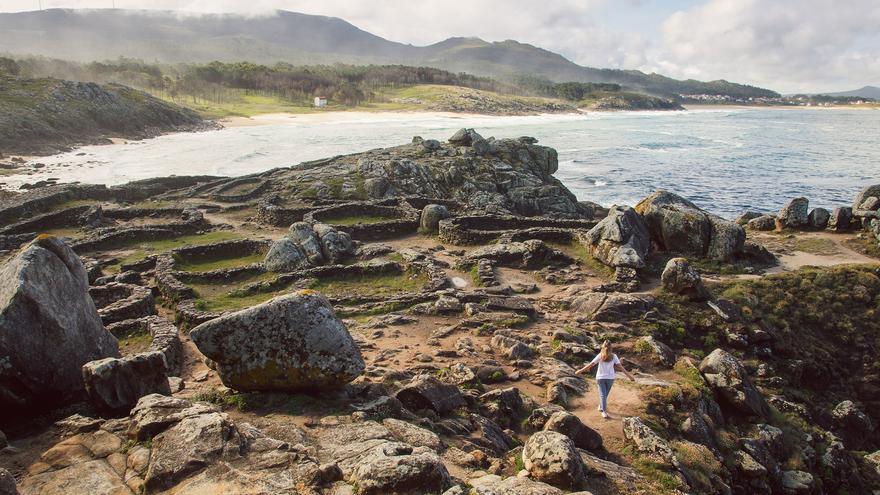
point(608, 363)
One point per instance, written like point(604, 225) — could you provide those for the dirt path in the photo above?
point(624, 401)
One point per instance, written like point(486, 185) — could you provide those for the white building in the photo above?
point(320, 102)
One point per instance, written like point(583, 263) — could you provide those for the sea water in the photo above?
point(725, 160)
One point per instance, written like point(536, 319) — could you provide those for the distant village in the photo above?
point(793, 100)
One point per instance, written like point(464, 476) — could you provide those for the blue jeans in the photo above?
point(605, 385)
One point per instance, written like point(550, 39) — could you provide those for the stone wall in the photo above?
point(483, 229)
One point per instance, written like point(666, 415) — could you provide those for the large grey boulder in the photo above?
point(431, 216)
point(647, 441)
point(49, 328)
point(303, 234)
point(571, 426)
point(679, 277)
point(818, 218)
point(335, 245)
point(678, 225)
point(492, 484)
point(399, 468)
point(763, 222)
point(728, 378)
point(285, 255)
point(793, 215)
point(115, 385)
point(290, 343)
point(797, 483)
point(552, 458)
point(427, 392)
point(867, 192)
point(7, 483)
point(852, 424)
point(620, 239)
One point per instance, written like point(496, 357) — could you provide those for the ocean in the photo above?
point(725, 160)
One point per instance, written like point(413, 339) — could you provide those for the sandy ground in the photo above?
point(335, 116)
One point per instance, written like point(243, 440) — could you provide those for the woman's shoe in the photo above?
point(604, 414)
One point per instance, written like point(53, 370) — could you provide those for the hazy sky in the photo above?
point(787, 45)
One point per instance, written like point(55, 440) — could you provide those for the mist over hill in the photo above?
point(163, 36)
point(864, 92)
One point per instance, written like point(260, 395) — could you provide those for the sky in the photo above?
point(786, 45)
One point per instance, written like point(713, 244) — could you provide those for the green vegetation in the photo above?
point(135, 343)
point(370, 285)
point(867, 246)
point(140, 250)
point(817, 245)
point(219, 297)
point(356, 219)
point(238, 401)
point(206, 265)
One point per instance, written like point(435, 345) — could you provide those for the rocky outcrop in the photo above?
point(677, 225)
point(552, 458)
point(864, 194)
point(115, 385)
point(852, 424)
point(763, 222)
point(290, 343)
point(621, 239)
point(306, 246)
point(840, 219)
point(647, 441)
point(728, 378)
point(679, 277)
point(818, 218)
point(44, 308)
point(427, 392)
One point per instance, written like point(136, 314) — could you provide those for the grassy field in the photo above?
point(141, 250)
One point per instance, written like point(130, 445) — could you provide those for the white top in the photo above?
point(605, 370)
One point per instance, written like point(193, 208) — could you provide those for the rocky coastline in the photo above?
point(409, 320)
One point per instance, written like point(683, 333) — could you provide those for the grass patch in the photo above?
point(238, 401)
point(370, 285)
point(242, 104)
point(356, 219)
point(867, 246)
point(817, 245)
point(140, 250)
point(220, 297)
point(135, 343)
point(206, 265)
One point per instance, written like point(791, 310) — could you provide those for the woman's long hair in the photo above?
point(605, 354)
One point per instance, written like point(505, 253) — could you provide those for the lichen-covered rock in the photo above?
point(677, 225)
point(552, 458)
point(427, 392)
point(746, 217)
point(818, 218)
point(492, 484)
point(662, 353)
point(867, 192)
point(870, 204)
point(335, 245)
point(303, 234)
point(614, 306)
point(49, 328)
point(728, 378)
point(115, 385)
point(401, 469)
point(429, 221)
point(763, 222)
point(840, 219)
point(620, 239)
point(647, 441)
point(797, 483)
point(793, 215)
point(571, 426)
point(679, 277)
point(285, 255)
point(7, 483)
point(852, 424)
point(290, 343)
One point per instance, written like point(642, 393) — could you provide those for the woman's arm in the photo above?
point(585, 368)
point(625, 372)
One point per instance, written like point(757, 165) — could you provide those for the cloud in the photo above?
point(789, 45)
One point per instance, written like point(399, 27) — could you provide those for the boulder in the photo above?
point(678, 225)
point(797, 483)
point(747, 217)
point(852, 424)
point(45, 307)
point(291, 343)
point(115, 385)
point(465, 137)
point(3, 441)
point(793, 215)
point(661, 352)
point(612, 307)
point(840, 219)
point(818, 218)
point(679, 277)
point(867, 192)
point(285, 255)
point(303, 234)
point(571, 426)
point(429, 221)
point(335, 245)
point(647, 441)
point(870, 204)
point(764, 222)
point(552, 458)
point(492, 484)
point(728, 378)
point(427, 392)
point(620, 239)
point(399, 468)
point(7, 483)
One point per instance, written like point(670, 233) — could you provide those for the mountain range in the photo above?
point(865, 92)
point(164, 36)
